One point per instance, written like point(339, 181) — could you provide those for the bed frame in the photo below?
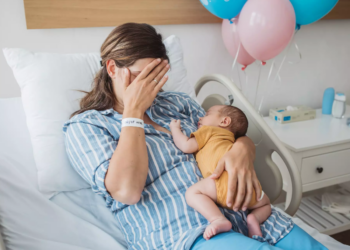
point(265, 140)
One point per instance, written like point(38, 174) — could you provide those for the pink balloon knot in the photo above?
point(244, 67)
point(263, 63)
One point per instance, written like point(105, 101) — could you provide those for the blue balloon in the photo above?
point(309, 11)
point(225, 9)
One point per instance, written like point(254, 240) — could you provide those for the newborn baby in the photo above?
point(216, 133)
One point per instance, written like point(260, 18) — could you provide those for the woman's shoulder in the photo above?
point(89, 117)
point(88, 114)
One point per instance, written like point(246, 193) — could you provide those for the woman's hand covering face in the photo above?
point(139, 94)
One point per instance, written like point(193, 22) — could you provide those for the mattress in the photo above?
point(75, 220)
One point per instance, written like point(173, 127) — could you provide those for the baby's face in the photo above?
point(212, 117)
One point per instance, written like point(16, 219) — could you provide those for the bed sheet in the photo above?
point(75, 220)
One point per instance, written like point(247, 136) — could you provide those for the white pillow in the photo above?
point(49, 84)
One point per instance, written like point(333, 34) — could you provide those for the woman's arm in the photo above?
point(238, 162)
point(185, 144)
point(128, 168)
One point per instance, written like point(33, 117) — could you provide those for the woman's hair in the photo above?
point(125, 45)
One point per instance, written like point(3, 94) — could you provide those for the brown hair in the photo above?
point(125, 45)
point(239, 121)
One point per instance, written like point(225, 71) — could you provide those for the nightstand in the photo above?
point(321, 150)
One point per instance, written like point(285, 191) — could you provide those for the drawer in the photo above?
point(330, 165)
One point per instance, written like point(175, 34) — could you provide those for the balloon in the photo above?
point(232, 43)
point(265, 27)
point(225, 9)
point(309, 11)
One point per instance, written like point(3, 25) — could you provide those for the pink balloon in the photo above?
point(266, 27)
point(232, 41)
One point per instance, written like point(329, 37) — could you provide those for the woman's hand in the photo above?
point(139, 95)
point(238, 162)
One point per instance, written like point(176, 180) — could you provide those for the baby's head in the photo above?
point(227, 117)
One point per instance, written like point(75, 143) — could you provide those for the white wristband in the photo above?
point(132, 122)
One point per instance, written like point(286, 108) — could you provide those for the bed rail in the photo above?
point(266, 143)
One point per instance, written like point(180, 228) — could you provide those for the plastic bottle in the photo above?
point(327, 103)
point(339, 105)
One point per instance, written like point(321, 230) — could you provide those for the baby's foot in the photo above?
point(253, 226)
point(217, 226)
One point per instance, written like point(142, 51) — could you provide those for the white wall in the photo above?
point(325, 48)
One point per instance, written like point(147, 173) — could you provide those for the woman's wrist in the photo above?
point(246, 146)
point(133, 113)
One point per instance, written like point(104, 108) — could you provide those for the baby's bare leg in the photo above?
point(202, 197)
point(258, 214)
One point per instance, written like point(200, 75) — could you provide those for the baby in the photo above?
point(216, 133)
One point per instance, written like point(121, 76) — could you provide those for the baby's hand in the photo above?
point(175, 124)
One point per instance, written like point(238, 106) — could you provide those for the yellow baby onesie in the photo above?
point(213, 143)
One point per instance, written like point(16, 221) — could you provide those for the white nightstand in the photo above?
point(321, 150)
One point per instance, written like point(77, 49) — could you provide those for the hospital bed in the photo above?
point(79, 219)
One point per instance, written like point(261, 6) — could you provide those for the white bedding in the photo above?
point(70, 220)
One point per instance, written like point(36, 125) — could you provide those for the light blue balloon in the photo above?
point(309, 11)
point(225, 9)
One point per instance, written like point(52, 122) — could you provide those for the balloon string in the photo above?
point(239, 78)
point(285, 56)
point(269, 86)
point(257, 85)
point(299, 53)
point(234, 64)
point(245, 81)
point(271, 69)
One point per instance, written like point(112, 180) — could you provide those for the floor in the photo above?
point(343, 237)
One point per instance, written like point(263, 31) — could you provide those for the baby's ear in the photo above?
point(225, 121)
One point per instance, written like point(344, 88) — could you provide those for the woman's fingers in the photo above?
point(160, 75)
point(145, 72)
point(160, 85)
point(257, 187)
point(232, 186)
point(154, 74)
point(126, 77)
point(240, 192)
point(163, 72)
point(218, 170)
point(248, 196)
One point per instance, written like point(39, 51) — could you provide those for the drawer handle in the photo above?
point(319, 169)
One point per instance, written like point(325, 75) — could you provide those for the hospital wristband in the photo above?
point(132, 122)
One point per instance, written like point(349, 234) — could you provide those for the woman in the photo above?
point(139, 171)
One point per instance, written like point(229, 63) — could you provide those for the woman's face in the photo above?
point(134, 70)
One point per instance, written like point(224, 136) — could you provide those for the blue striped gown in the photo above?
point(161, 219)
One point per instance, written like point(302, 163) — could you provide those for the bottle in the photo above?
point(327, 103)
point(339, 105)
